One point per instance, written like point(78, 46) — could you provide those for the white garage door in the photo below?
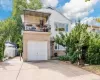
point(37, 50)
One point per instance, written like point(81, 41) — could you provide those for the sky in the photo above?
point(72, 9)
point(5, 9)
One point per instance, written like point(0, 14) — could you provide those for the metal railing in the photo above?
point(32, 28)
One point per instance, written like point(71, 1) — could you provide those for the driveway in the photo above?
point(15, 69)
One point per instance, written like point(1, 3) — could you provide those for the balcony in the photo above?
point(35, 21)
point(37, 28)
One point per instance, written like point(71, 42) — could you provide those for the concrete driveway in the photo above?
point(52, 70)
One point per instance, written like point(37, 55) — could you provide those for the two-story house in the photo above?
point(58, 23)
point(40, 27)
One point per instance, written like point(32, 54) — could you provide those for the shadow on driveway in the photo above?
point(60, 67)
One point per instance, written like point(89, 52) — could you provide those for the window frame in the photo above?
point(64, 27)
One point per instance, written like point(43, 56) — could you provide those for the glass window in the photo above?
point(66, 27)
point(59, 47)
point(61, 26)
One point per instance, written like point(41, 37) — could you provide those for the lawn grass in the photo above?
point(93, 68)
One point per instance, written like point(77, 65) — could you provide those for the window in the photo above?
point(61, 26)
point(66, 27)
point(59, 47)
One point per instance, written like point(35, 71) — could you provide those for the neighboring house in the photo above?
point(38, 39)
point(94, 29)
point(10, 50)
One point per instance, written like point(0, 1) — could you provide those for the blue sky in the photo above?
point(62, 2)
point(4, 14)
point(96, 12)
point(6, 8)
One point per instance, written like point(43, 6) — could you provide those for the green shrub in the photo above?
point(1, 51)
point(1, 56)
point(63, 58)
point(93, 54)
point(75, 42)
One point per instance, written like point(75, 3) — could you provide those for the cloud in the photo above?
point(77, 9)
point(86, 20)
point(6, 5)
point(52, 3)
point(90, 21)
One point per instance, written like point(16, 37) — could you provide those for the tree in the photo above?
point(74, 42)
point(10, 29)
point(81, 46)
point(34, 4)
point(87, 0)
point(5, 34)
point(19, 5)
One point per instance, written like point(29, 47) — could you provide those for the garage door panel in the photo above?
point(37, 50)
point(31, 54)
point(42, 57)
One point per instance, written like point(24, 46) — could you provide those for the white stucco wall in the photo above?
point(56, 17)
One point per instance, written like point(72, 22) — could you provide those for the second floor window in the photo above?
point(61, 26)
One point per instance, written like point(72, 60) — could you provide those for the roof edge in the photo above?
point(36, 11)
point(49, 7)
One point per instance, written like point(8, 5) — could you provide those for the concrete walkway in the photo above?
point(52, 70)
